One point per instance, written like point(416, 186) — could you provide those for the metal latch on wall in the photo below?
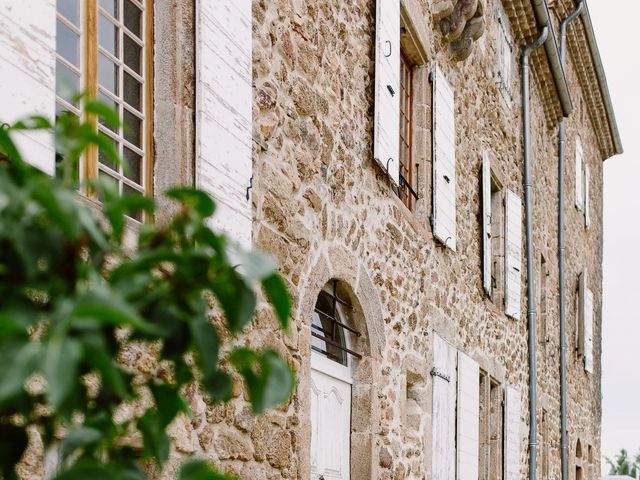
point(437, 373)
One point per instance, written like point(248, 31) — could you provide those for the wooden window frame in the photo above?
point(89, 44)
point(405, 188)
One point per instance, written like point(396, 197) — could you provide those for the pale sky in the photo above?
point(616, 24)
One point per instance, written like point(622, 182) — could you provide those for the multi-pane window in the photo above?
point(103, 49)
point(497, 242)
point(405, 189)
point(491, 420)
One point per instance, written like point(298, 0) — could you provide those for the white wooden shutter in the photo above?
point(28, 81)
point(587, 201)
point(468, 426)
point(579, 177)
point(444, 410)
point(486, 222)
point(513, 433)
point(513, 254)
point(386, 135)
point(588, 332)
point(223, 112)
point(585, 324)
point(444, 160)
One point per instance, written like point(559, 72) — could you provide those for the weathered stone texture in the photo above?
point(325, 210)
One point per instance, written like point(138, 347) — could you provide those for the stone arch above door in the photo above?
point(344, 266)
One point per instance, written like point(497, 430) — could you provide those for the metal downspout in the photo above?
point(531, 306)
point(562, 135)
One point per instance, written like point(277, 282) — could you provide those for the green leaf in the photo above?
point(88, 469)
point(237, 300)
point(7, 147)
point(103, 361)
point(270, 381)
point(60, 367)
point(200, 201)
point(103, 111)
point(34, 122)
point(169, 403)
point(201, 470)
point(207, 343)
point(219, 385)
point(276, 291)
point(13, 442)
point(79, 438)
point(23, 359)
point(253, 265)
point(117, 208)
point(155, 440)
point(108, 308)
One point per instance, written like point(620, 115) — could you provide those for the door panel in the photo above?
point(330, 426)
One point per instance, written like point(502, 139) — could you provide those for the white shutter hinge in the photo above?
point(437, 373)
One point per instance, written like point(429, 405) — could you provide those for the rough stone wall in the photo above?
point(326, 211)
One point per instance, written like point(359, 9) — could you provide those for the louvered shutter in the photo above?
point(579, 177)
point(513, 254)
point(468, 411)
point(223, 112)
point(513, 433)
point(28, 81)
point(444, 410)
point(386, 135)
point(486, 222)
point(444, 161)
point(587, 201)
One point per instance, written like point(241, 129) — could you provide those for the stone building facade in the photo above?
point(272, 106)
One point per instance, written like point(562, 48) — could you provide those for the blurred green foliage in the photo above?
point(72, 297)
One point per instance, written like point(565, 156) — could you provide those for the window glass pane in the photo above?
point(108, 35)
point(110, 6)
point(70, 9)
point(67, 82)
point(127, 190)
point(132, 54)
point(112, 104)
point(105, 159)
point(132, 17)
point(108, 74)
point(132, 165)
point(67, 43)
point(132, 91)
point(132, 128)
point(110, 181)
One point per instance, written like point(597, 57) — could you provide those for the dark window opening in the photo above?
point(330, 327)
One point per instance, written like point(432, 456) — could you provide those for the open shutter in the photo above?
point(444, 410)
point(588, 331)
point(468, 434)
point(587, 202)
point(28, 81)
point(513, 433)
point(513, 254)
point(386, 135)
point(579, 177)
point(486, 222)
point(585, 324)
point(223, 112)
point(444, 161)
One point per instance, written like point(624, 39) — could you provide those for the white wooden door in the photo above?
point(444, 410)
point(330, 419)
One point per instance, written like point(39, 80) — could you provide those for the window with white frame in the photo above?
point(102, 48)
point(504, 55)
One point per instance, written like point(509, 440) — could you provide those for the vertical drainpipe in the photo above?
point(562, 135)
point(531, 306)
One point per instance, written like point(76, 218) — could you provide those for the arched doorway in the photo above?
point(333, 354)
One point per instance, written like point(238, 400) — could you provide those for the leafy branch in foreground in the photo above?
point(71, 299)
